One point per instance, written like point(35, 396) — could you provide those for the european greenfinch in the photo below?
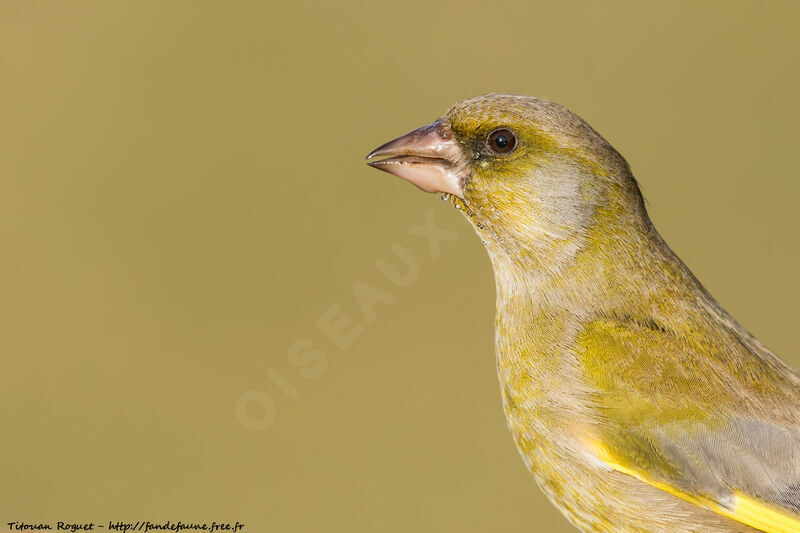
point(634, 398)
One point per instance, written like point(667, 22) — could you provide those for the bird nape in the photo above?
point(635, 400)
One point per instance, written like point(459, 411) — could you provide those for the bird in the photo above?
point(636, 401)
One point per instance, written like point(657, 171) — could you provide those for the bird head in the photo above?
point(532, 177)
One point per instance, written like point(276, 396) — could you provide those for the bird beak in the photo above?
point(429, 157)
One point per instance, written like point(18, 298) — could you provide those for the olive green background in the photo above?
point(184, 195)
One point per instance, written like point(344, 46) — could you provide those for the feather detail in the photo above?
point(742, 508)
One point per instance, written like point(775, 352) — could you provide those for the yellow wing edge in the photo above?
point(744, 509)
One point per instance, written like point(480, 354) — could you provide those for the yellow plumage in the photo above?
point(635, 400)
point(742, 509)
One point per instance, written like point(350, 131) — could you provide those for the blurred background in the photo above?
point(184, 201)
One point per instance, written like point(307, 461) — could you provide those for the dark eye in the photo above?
point(502, 141)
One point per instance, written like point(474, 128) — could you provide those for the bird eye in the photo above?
point(502, 141)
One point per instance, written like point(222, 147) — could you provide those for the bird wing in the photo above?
point(702, 411)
